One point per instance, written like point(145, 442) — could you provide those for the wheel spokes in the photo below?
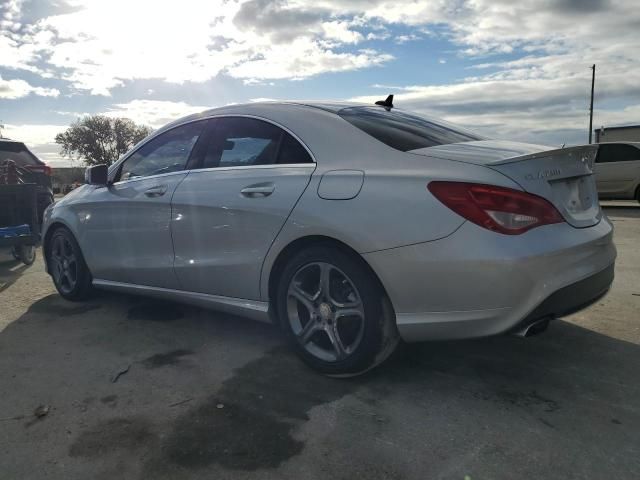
point(308, 331)
point(325, 311)
point(303, 297)
point(336, 341)
point(325, 280)
point(349, 312)
point(64, 266)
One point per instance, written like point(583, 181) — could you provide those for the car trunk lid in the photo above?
point(562, 176)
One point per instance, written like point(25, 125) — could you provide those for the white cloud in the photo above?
point(529, 109)
point(154, 113)
point(17, 88)
point(378, 35)
point(96, 48)
point(303, 59)
point(341, 32)
point(400, 39)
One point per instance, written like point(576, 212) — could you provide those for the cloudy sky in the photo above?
point(510, 69)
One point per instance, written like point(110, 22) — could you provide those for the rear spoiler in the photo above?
point(584, 153)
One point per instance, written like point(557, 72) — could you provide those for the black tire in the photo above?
point(25, 253)
point(74, 283)
point(371, 345)
point(638, 194)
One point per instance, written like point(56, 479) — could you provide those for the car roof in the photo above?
point(265, 107)
point(329, 106)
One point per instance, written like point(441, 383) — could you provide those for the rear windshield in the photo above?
point(405, 131)
point(17, 152)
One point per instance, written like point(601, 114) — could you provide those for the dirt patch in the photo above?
point(155, 312)
point(173, 357)
point(125, 434)
point(110, 400)
point(233, 436)
point(249, 423)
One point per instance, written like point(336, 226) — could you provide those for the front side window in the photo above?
point(241, 141)
point(405, 131)
point(166, 153)
point(617, 153)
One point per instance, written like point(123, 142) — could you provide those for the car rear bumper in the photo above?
point(477, 283)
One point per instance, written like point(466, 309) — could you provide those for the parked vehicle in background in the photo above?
point(348, 225)
point(31, 170)
point(617, 171)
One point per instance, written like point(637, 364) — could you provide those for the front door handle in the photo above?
point(156, 191)
point(258, 190)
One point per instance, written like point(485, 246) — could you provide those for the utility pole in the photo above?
point(593, 82)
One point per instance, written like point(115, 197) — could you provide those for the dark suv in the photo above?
point(31, 168)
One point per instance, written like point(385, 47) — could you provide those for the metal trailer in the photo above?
point(19, 224)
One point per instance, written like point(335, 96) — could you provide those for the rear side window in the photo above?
point(241, 141)
point(17, 152)
point(617, 153)
point(405, 131)
point(291, 151)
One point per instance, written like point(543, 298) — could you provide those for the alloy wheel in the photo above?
point(64, 264)
point(325, 311)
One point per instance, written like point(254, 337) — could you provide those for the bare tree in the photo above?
point(98, 139)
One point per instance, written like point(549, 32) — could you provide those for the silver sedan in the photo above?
point(349, 226)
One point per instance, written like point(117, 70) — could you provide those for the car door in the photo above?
point(617, 169)
point(227, 212)
point(126, 233)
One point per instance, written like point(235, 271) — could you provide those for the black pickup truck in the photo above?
point(31, 169)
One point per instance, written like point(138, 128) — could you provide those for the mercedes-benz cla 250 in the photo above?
point(350, 226)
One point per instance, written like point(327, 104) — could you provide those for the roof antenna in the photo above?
point(387, 103)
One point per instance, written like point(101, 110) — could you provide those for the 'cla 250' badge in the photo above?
point(542, 174)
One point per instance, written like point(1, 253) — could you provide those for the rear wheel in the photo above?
point(334, 312)
point(67, 266)
point(25, 253)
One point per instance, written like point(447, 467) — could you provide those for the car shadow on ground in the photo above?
point(162, 390)
point(10, 269)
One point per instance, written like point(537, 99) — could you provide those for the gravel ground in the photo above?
point(137, 388)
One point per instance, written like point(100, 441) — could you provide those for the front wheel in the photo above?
point(70, 273)
point(334, 312)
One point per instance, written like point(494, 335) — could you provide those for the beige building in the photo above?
point(629, 133)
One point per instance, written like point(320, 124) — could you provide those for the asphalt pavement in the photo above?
point(129, 388)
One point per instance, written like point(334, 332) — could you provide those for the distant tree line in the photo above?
point(98, 139)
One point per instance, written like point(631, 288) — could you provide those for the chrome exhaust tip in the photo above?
point(534, 328)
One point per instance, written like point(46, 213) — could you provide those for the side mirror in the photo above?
point(96, 175)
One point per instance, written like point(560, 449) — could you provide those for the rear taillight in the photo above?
point(500, 209)
point(46, 169)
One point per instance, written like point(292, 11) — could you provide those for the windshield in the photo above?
point(405, 131)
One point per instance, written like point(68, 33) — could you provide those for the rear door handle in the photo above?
point(258, 190)
point(156, 191)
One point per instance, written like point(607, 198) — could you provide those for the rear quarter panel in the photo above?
point(394, 207)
